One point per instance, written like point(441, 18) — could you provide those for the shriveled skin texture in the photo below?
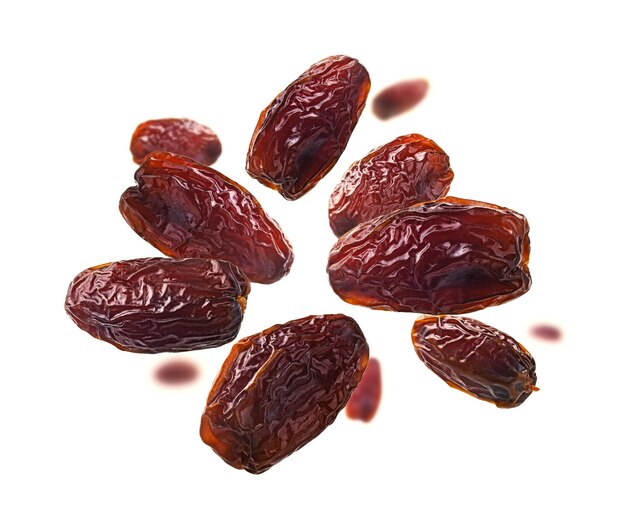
point(159, 304)
point(364, 401)
point(301, 134)
point(445, 257)
point(186, 209)
point(476, 358)
point(281, 388)
point(399, 98)
point(176, 135)
point(407, 170)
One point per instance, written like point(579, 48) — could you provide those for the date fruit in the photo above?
point(476, 358)
point(176, 135)
point(280, 388)
point(364, 401)
point(445, 257)
point(407, 170)
point(158, 304)
point(399, 98)
point(301, 134)
point(186, 209)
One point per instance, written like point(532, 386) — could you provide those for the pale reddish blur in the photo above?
point(544, 331)
point(399, 98)
point(176, 372)
point(364, 401)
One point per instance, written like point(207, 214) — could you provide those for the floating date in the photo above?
point(279, 389)
point(159, 304)
point(186, 209)
point(364, 401)
point(405, 171)
point(399, 98)
point(176, 135)
point(301, 134)
point(445, 257)
point(476, 358)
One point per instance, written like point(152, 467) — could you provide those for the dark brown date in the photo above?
point(176, 135)
point(407, 170)
point(364, 401)
point(399, 98)
point(158, 304)
point(445, 257)
point(301, 134)
point(281, 388)
point(186, 209)
point(476, 358)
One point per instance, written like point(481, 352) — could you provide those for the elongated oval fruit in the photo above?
point(301, 134)
point(476, 358)
point(176, 135)
point(445, 257)
point(405, 171)
point(280, 388)
point(399, 98)
point(186, 209)
point(159, 304)
point(364, 401)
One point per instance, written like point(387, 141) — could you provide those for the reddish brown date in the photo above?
point(399, 98)
point(446, 257)
point(186, 209)
point(476, 358)
point(158, 304)
point(364, 401)
point(176, 135)
point(301, 134)
point(176, 373)
point(281, 388)
point(407, 170)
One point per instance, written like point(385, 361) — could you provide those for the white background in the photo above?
point(528, 101)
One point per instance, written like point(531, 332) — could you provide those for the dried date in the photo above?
point(176, 135)
point(405, 171)
point(445, 257)
point(476, 358)
point(301, 134)
point(364, 401)
point(399, 98)
point(158, 304)
point(280, 388)
point(186, 209)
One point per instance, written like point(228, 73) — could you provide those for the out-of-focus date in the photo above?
point(176, 135)
point(364, 401)
point(186, 209)
point(301, 134)
point(405, 171)
point(399, 98)
point(476, 358)
point(445, 257)
point(281, 388)
point(158, 304)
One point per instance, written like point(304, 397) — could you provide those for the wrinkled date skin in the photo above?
point(399, 98)
point(407, 170)
point(301, 134)
point(176, 135)
point(445, 257)
point(364, 401)
point(186, 209)
point(281, 388)
point(158, 304)
point(476, 358)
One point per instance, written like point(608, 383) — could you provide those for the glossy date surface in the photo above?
point(445, 257)
point(158, 304)
point(281, 388)
point(399, 98)
point(301, 134)
point(176, 135)
point(476, 358)
point(405, 171)
point(186, 209)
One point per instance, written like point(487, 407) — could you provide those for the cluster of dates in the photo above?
point(401, 247)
